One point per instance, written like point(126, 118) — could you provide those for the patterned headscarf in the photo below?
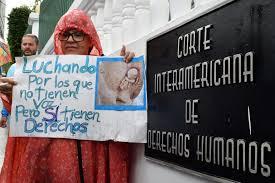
point(77, 19)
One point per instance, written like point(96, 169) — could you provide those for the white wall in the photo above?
point(2, 17)
point(142, 170)
point(34, 21)
point(146, 171)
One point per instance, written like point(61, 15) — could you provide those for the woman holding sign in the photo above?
point(66, 160)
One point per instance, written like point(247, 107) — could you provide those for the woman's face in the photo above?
point(74, 42)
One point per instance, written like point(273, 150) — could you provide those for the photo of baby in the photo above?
point(120, 85)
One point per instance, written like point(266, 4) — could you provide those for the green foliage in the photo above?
point(17, 25)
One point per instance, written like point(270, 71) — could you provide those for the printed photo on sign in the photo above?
point(120, 85)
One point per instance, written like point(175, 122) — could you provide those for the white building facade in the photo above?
point(132, 23)
point(2, 17)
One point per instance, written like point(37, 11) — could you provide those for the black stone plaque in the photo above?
point(211, 87)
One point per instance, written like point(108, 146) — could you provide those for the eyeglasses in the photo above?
point(77, 36)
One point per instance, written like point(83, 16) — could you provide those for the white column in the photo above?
point(100, 20)
point(93, 14)
point(107, 28)
point(128, 21)
point(34, 21)
point(117, 25)
point(160, 13)
point(201, 2)
point(180, 7)
point(143, 17)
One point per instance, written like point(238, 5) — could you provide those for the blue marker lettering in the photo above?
point(25, 60)
point(61, 124)
point(38, 125)
point(83, 127)
point(28, 123)
point(54, 125)
point(45, 68)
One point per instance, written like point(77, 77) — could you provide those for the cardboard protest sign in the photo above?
point(79, 97)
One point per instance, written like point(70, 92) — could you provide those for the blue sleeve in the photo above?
point(4, 112)
point(10, 73)
point(11, 70)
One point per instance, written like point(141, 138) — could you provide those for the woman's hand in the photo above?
point(128, 56)
point(3, 122)
point(6, 85)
